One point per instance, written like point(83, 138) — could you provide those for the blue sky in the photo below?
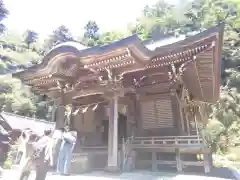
point(43, 16)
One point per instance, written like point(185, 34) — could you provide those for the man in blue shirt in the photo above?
point(69, 139)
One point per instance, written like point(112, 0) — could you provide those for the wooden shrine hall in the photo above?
point(135, 106)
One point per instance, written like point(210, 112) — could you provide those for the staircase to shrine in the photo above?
point(165, 152)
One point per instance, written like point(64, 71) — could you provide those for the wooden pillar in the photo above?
point(113, 136)
point(60, 117)
point(178, 160)
point(180, 109)
point(99, 117)
point(176, 112)
point(138, 117)
point(110, 134)
point(188, 124)
point(210, 160)
point(71, 118)
point(54, 111)
point(154, 161)
point(207, 162)
point(130, 117)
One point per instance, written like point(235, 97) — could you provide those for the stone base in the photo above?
point(112, 169)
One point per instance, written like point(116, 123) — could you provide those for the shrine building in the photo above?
point(135, 105)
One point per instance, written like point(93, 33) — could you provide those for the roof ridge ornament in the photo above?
point(136, 82)
point(85, 109)
point(95, 107)
point(213, 44)
point(75, 112)
point(110, 75)
point(176, 75)
point(128, 52)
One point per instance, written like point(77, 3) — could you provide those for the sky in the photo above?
point(43, 16)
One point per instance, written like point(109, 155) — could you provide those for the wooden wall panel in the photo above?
point(164, 113)
point(85, 122)
point(78, 122)
point(60, 116)
point(178, 114)
point(148, 114)
point(204, 64)
point(199, 77)
point(157, 113)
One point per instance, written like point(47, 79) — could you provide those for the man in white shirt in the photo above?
point(56, 140)
point(24, 149)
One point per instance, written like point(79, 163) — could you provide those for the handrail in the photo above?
point(165, 137)
point(168, 140)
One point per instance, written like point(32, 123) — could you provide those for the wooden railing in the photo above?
point(168, 141)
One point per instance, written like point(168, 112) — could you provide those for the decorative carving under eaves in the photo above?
point(136, 82)
point(64, 87)
point(176, 75)
point(111, 78)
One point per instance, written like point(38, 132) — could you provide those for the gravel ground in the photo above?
point(12, 174)
point(138, 175)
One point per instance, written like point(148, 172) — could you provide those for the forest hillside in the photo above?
point(19, 51)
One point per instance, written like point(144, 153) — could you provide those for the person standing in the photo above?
point(24, 148)
point(41, 156)
point(44, 155)
point(65, 155)
point(57, 140)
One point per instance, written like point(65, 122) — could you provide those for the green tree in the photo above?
point(3, 14)
point(156, 20)
point(227, 113)
point(109, 37)
point(201, 15)
point(60, 35)
point(91, 35)
point(30, 37)
point(14, 96)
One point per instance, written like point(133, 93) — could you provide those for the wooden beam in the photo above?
point(181, 112)
point(155, 88)
point(87, 100)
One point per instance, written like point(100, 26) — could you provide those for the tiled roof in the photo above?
point(22, 122)
point(148, 48)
